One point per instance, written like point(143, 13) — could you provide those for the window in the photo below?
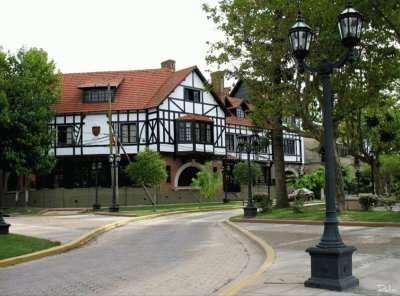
point(289, 147)
point(240, 112)
point(65, 135)
point(185, 131)
point(96, 95)
point(202, 132)
point(230, 142)
point(193, 95)
point(128, 133)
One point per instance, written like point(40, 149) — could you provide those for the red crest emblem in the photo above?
point(96, 130)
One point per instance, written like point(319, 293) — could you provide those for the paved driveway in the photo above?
point(190, 254)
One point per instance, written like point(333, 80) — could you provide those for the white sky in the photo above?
point(104, 35)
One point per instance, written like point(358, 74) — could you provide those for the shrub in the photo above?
point(388, 203)
point(297, 205)
point(368, 201)
point(263, 201)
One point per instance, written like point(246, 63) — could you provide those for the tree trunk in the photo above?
point(279, 161)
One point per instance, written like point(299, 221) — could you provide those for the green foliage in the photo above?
point(30, 85)
point(255, 49)
point(148, 169)
point(240, 172)
point(368, 201)
point(207, 181)
point(313, 181)
point(263, 201)
point(297, 205)
point(390, 172)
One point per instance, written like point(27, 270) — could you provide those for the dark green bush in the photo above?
point(263, 201)
point(368, 201)
point(297, 205)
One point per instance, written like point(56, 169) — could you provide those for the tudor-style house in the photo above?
point(161, 109)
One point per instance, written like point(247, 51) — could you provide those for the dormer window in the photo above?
point(97, 95)
point(193, 95)
point(240, 112)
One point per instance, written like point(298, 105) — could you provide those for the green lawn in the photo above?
point(148, 209)
point(22, 211)
point(12, 245)
point(317, 213)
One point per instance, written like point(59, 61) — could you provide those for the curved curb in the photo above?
point(71, 245)
point(270, 256)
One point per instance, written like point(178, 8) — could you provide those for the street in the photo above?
point(186, 254)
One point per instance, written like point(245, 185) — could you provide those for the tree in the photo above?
point(148, 170)
point(241, 174)
point(255, 49)
point(207, 181)
point(30, 84)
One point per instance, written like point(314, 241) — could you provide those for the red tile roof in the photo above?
point(235, 102)
point(136, 90)
point(239, 121)
point(192, 117)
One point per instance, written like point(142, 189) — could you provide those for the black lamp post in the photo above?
point(357, 164)
point(269, 165)
point(226, 173)
point(249, 144)
point(331, 259)
point(4, 226)
point(96, 168)
point(372, 155)
point(114, 160)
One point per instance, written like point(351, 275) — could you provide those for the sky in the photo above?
point(104, 35)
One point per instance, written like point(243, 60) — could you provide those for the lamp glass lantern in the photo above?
point(111, 158)
point(350, 23)
point(300, 36)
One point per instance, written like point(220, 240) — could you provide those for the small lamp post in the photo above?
point(331, 259)
point(226, 173)
point(357, 164)
point(372, 155)
point(249, 144)
point(114, 160)
point(96, 168)
point(269, 165)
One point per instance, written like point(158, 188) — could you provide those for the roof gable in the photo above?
point(135, 90)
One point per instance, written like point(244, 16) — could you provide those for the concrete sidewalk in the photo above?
point(376, 263)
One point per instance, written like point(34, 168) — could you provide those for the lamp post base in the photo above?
point(226, 200)
point(4, 228)
point(331, 268)
point(250, 212)
point(96, 206)
point(114, 209)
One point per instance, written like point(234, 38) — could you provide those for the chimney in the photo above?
point(168, 64)
point(217, 81)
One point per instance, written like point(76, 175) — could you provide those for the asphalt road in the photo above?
point(186, 254)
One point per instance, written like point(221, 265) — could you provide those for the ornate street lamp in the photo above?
point(96, 168)
point(226, 173)
point(331, 259)
point(249, 144)
point(357, 164)
point(114, 160)
point(372, 155)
